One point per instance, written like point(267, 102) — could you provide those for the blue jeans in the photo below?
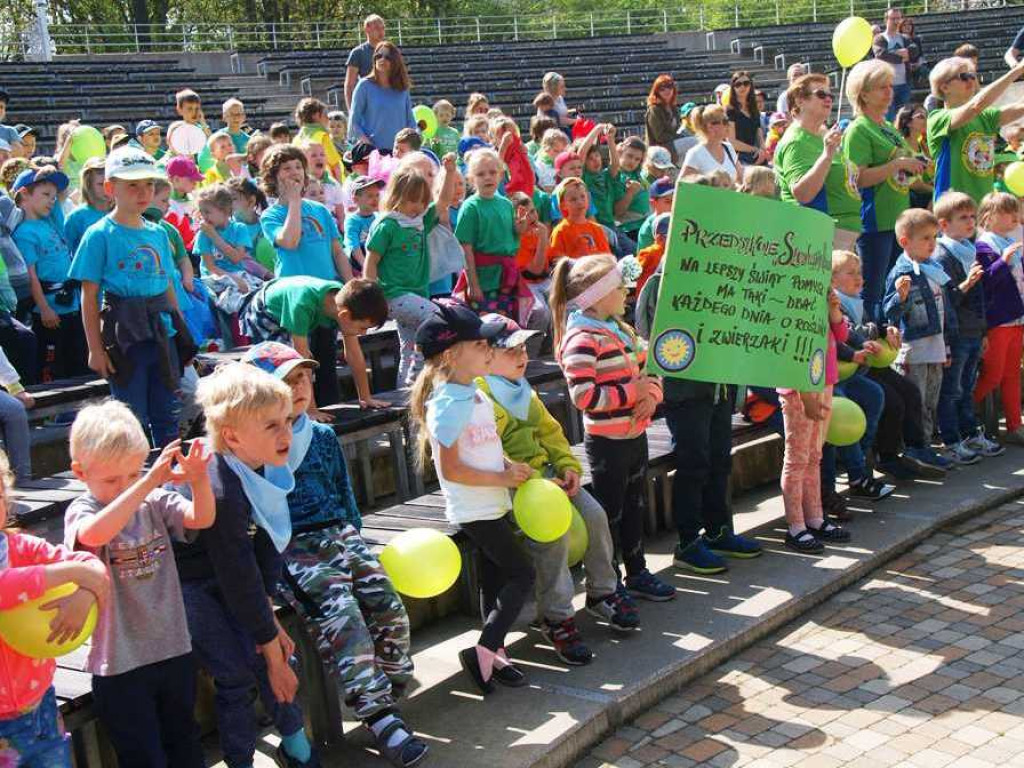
point(226, 651)
point(878, 252)
point(900, 97)
point(956, 404)
point(14, 425)
point(35, 739)
point(156, 406)
point(870, 396)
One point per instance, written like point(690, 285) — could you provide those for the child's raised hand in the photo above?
point(191, 468)
point(162, 470)
point(450, 162)
point(72, 611)
point(633, 186)
point(973, 276)
point(289, 190)
point(1010, 250)
point(834, 310)
point(609, 131)
point(860, 357)
point(892, 335)
point(903, 287)
point(516, 473)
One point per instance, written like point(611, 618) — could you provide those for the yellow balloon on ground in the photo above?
point(1013, 177)
point(87, 143)
point(885, 358)
point(847, 369)
point(847, 423)
point(579, 540)
point(422, 562)
point(26, 627)
point(851, 41)
point(542, 510)
point(426, 119)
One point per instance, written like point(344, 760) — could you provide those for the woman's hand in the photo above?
point(833, 140)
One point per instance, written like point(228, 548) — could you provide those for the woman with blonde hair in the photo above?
point(714, 152)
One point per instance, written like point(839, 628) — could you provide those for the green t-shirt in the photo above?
point(601, 187)
point(532, 148)
point(640, 206)
point(645, 236)
point(297, 303)
point(866, 144)
point(446, 139)
point(965, 159)
point(542, 202)
point(488, 224)
point(797, 152)
point(404, 265)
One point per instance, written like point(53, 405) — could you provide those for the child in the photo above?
point(333, 581)
point(230, 572)
point(661, 195)
point(280, 133)
point(575, 235)
point(223, 244)
point(552, 144)
point(183, 174)
point(397, 257)
point(304, 233)
point(40, 238)
point(311, 117)
point(632, 205)
point(248, 202)
point(316, 161)
point(30, 726)
point(307, 313)
point(651, 256)
point(457, 421)
point(446, 139)
point(233, 113)
point(128, 259)
point(14, 421)
point(255, 149)
point(918, 300)
point(529, 434)
point(806, 416)
point(964, 442)
point(601, 182)
point(478, 127)
point(760, 181)
point(189, 107)
point(1000, 255)
point(603, 364)
point(222, 167)
point(532, 256)
point(95, 203)
point(337, 126)
point(406, 140)
point(539, 125)
point(144, 673)
point(366, 194)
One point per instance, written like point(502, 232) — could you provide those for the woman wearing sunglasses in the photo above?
point(745, 131)
point(661, 123)
point(912, 122)
point(381, 105)
point(714, 152)
point(962, 135)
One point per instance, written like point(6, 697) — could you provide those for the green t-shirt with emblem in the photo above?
point(797, 152)
point(445, 140)
point(297, 303)
point(965, 158)
point(404, 265)
point(867, 144)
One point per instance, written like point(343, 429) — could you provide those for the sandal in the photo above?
point(471, 666)
point(830, 532)
point(805, 541)
point(406, 753)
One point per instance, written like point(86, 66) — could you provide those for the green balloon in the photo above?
point(847, 423)
point(422, 562)
point(847, 369)
point(86, 143)
point(542, 510)
point(885, 358)
point(579, 540)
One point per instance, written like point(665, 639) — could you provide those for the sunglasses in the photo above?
point(823, 95)
point(667, 87)
point(715, 121)
point(384, 56)
point(742, 83)
point(965, 77)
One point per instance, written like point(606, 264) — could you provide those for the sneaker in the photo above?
point(901, 468)
point(616, 611)
point(284, 760)
point(960, 454)
point(805, 541)
point(927, 459)
point(647, 586)
point(1016, 437)
point(729, 544)
point(567, 642)
point(870, 489)
point(981, 444)
point(830, 532)
point(834, 505)
point(698, 558)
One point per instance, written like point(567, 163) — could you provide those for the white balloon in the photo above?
point(186, 138)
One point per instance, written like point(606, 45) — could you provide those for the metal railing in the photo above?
point(547, 25)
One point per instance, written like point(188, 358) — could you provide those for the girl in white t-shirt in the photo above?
point(714, 152)
point(456, 421)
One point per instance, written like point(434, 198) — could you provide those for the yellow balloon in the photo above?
point(426, 120)
point(851, 41)
point(26, 627)
point(579, 540)
point(1013, 177)
point(847, 423)
point(847, 369)
point(886, 357)
point(542, 510)
point(422, 562)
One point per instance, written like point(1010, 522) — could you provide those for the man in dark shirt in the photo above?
point(360, 58)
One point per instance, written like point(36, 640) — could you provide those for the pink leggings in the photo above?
point(801, 465)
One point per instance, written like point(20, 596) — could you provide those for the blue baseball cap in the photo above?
point(662, 187)
point(451, 323)
point(31, 176)
point(145, 126)
point(469, 143)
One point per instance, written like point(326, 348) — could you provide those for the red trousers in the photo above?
point(1000, 369)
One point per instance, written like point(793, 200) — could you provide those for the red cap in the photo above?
point(563, 158)
point(182, 166)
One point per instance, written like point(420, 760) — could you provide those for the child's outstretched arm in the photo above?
point(591, 139)
point(613, 156)
point(341, 260)
point(193, 469)
point(446, 189)
point(353, 352)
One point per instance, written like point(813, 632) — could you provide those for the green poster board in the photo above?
point(743, 299)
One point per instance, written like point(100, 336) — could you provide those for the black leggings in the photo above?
point(506, 577)
point(323, 345)
point(901, 422)
point(61, 352)
point(619, 470)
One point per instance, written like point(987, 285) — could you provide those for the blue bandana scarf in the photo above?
point(964, 250)
point(268, 495)
point(929, 269)
point(513, 396)
point(451, 408)
point(853, 306)
point(302, 435)
point(998, 243)
point(577, 319)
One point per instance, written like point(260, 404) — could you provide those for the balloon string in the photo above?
point(839, 101)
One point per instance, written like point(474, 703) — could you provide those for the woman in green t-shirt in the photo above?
point(811, 170)
point(886, 168)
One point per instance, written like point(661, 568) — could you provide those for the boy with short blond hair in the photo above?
point(233, 112)
point(407, 140)
point(446, 138)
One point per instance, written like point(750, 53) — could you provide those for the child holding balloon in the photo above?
point(456, 420)
point(603, 362)
point(29, 567)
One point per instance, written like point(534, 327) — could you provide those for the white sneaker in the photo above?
point(960, 454)
point(980, 443)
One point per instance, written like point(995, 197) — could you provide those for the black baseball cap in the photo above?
point(360, 153)
point(451, 324)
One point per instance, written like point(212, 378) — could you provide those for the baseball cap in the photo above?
point(184, 167)
point(451, 324)
point(778, 117)
point(360, 153)
point(31, 176)
point(129, 163)
point(512, 335)
point(563, 158)
point(145, 126)
point(24, 130)
point(276, 358)
point(660, 158)
point(661, 222)
point(365, 182)
point(662, 187)
point(469, 143)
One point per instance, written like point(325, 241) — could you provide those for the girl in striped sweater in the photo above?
point(603, 361)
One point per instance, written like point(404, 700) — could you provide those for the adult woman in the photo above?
point(714, 152)
point(554, 84)
point(962, 135)
point(886, 169)
point(810, 168)
point(918, 63)
point(381, 105)
point(911, 121)
point(745, 132)
point(477, 104)
point(661, 123)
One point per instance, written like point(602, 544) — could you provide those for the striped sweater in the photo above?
point(602, 373)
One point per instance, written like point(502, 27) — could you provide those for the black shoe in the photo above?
point(898, 468)
point(510, 676)
point(805, 542)
point(834, 504)
point(830, 532)
point(870, 489)
point(471, 666)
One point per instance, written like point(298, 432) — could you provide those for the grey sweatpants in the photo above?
point(928, 378)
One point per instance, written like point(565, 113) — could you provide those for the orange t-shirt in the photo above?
point(527, 249)
point(649, 258)
point(577, 239)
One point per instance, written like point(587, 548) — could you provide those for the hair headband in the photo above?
point(624, 271)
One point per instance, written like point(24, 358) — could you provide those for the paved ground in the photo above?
point(918, 665)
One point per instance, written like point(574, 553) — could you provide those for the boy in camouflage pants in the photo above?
point(334, 582)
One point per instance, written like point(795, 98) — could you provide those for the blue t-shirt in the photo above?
point(235, 234)
point(357, 228)
point(1018, 41)
point(126, 261)
point(313, 256)
point(378, 114)
point(42, 243)
point(79, 220)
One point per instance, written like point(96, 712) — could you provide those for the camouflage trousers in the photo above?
point(362, 630)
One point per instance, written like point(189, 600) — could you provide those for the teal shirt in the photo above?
point(314, 256)
point(235, 234)
point(126, 261)
point(42, 243)
point(79, 220)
